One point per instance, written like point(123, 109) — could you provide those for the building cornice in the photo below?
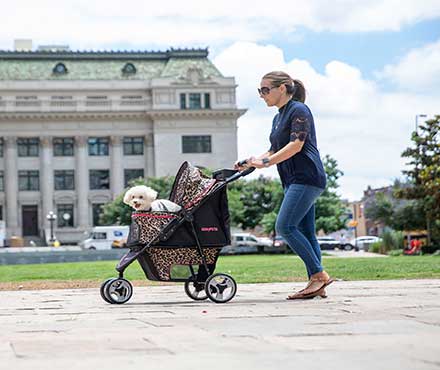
point(70, 116)
point(103, 55)
point(197, 113)
point(159, 114)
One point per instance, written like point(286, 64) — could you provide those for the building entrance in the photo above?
point(30, 220)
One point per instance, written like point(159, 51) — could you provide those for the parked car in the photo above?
point(275, 245)
point(363, 242)
point(327, 242)
point(243, 243)
point(104, 237)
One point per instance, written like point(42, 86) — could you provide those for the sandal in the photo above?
point(318, 291)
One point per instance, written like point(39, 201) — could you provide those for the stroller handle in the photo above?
point(239, 174)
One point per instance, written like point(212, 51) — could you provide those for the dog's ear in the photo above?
point(127, 196)
point(151, 193)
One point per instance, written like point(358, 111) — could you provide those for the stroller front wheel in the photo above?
point(117, 291)
point(220, 288)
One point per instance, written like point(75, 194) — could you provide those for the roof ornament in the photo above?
point(129, 69)
point(59, 69)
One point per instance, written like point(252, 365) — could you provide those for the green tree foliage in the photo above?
point(118, 213)
point(331, 214)
point(250, 200)
point(424, 174)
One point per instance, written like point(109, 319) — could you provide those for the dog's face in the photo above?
point(140, 197)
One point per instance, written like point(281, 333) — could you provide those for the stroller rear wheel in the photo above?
point(195, 290)
point(220, 288)
point(117, 291)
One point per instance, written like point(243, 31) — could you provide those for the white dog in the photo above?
point(143, 198)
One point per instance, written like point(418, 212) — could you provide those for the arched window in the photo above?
point(59, 69)
point(129, 69)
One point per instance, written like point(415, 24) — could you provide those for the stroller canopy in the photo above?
point(190, 186)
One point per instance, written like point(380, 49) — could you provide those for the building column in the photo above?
point(116, 167)
point(46, 180)
point(82, 182)
point(149, 151)
point(11, 187)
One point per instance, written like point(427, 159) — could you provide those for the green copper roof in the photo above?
point(105, 65)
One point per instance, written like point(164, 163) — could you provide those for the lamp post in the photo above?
point(51, 217)
point(417, 119)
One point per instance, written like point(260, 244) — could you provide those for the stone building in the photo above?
point(76, 126)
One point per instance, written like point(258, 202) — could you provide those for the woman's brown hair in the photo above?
point(293, 87)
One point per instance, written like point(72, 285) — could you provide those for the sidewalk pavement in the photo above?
point(376, 325)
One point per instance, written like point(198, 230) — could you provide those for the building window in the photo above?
point(64, 180)
point(195, 101)
point(28, 147)
point(59, 69)
point(2, 144)
point(196, 144)
point(132, 174)
point(2, 181)
point(63, 146)
point(129, 69)
point(97, 210)
point(133, 145)
point(98, 146)
point(182, 101)
point(65, 215)
point(207, 101)
point(28, 181)
point(99, 179)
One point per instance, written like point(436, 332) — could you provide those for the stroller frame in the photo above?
point(119, 290)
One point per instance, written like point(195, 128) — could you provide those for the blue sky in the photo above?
point(369, 66)
point(369, 51)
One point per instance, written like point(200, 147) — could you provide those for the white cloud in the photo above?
point(417, 71)
point(104, 23)
point(364, 128)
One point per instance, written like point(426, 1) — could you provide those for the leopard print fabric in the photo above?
point(191, 186)
point(147, 226)
point(164, 258)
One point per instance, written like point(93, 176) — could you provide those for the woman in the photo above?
point(294, 150)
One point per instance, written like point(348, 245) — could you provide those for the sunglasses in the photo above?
point(266, 90)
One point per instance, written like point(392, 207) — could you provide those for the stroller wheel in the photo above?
point(195, 290)
point(118, 290)
point(102, 290)
point(220, 288)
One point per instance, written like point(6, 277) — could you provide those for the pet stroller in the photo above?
point(182, 246)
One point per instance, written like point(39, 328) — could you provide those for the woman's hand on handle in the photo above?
point(241, 165)
point(255, 162)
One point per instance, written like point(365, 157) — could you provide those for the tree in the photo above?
point(118, 213)
point(424, 174)
point(398, 214)
point(250, 200)
point(331, 214)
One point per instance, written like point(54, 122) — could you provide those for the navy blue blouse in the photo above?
point(295, 121)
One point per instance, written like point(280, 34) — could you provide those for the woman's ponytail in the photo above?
point(298, 91)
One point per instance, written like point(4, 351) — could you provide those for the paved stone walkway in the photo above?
point(370, 325)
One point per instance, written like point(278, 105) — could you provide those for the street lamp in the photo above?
point(417, 118)
point(51, 217)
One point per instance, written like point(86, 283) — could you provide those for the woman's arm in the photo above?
point(281, 155)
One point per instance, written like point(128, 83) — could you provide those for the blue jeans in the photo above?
point(296, 224)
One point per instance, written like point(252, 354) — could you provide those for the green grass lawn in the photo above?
point(245, 269)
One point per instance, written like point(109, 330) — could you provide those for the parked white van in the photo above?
point(103, 237)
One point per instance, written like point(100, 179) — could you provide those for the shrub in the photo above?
point(395, 252)
point(391, 240)
point(375, 247)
